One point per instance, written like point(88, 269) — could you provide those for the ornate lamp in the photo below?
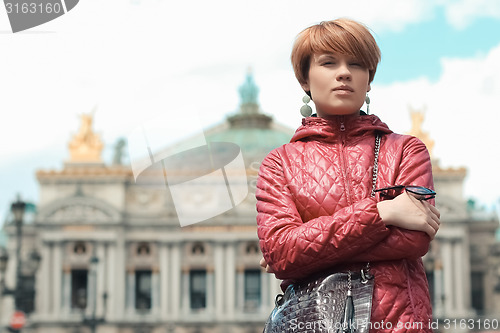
point(17, 208)
point(4, 259)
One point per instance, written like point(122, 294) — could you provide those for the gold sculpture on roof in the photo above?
point(417, 118)
point(86, 146)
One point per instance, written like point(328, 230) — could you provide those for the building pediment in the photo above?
point(451, 210)
point(78, 210)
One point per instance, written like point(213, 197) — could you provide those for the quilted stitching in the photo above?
point(315, 211)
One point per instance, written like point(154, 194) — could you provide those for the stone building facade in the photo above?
point(462, 263)
point(115, 259)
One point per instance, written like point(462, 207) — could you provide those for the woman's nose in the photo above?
point(343, 72)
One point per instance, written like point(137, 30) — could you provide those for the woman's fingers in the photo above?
point(432, 228)
point(406, 211)
point(427, 208)
point(424, 204)
point(434, 214)
point(264, 264)
point(433, 209)
point(432, 220)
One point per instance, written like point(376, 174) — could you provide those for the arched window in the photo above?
point(252, 248)
point(198, 249)
point(143, 249)
point(79, 248)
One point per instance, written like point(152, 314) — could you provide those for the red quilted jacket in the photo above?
point(315, 213)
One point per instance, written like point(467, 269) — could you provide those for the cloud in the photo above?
point(116, 54)
point(461, 116)
point(461, 13)
point(134, 58)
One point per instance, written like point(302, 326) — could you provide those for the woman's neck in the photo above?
point(336, 116)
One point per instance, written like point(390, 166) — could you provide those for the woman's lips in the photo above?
point(343, 91)
point(343, 88)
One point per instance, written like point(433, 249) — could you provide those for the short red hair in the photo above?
point(343, 36)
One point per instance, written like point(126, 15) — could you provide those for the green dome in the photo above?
point(253, 131)
point(255, 143)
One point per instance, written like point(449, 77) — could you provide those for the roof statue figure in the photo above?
point(249, 90)
point(118, 151)
point(417, 118)
point(86, 146)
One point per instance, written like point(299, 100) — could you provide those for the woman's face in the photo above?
point(338, 84)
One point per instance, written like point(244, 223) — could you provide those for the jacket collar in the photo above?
point(339, 127)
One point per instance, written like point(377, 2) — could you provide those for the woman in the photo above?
point(314, 203)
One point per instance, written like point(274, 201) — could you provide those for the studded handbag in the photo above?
point(338, 302)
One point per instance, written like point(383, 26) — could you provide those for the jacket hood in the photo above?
point(333, 128)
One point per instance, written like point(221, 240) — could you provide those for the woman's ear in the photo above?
point(369, 88)
point(305, 86)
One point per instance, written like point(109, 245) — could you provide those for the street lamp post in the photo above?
point(17, 209)
point(20, 292)
point(4, 257)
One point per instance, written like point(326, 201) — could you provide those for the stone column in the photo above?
point(220, 288)
point(462, 275)
point(240, 289)
point(91, 291)
point(101, 279)
point(438, 289)
point(176, 283)
point(43, 282)
point(185, 292)
point(467, 276)
point(66, 290)
point(155, 291)
point(230, 284)
point(265, 294)
point(164, 280)
point(57, 279)
point(210, 302)
point(112, 275)
point(130, 292)
point(458, 274)
point(449, 283)
point(119, 283)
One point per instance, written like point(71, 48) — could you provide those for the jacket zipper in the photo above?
point(344, 160)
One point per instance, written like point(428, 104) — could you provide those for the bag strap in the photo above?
point(365, 274)
point(375, 165)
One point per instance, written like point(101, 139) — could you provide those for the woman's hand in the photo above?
point(407, 212)
point(264, 264)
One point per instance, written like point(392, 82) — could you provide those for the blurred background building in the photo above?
point(101, 252)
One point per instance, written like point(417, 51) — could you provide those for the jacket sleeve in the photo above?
point(295, 249)
point(415, 169)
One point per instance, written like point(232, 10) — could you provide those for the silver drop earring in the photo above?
point(367, 101)
point(306, 110)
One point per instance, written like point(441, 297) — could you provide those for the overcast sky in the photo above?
point(135, 59)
